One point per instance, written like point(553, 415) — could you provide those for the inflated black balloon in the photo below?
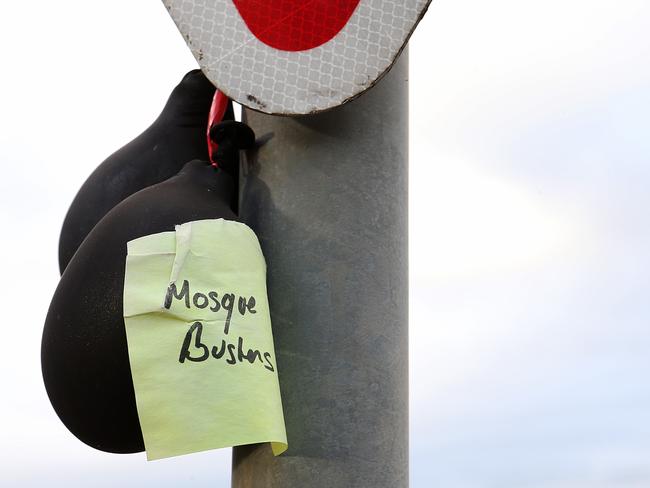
point(177, 136)
point(84, 351)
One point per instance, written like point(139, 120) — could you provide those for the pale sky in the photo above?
point(529, 234)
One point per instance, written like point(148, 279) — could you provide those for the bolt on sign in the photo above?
point(295, 56)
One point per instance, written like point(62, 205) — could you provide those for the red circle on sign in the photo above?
point(295, 25)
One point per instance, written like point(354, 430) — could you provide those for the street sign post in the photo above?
point(327, 197)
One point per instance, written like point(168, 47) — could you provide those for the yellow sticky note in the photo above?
point(200, 344)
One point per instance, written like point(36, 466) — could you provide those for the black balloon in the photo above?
point(84, 350)
point(177, 136)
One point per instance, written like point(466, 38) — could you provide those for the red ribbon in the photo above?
point(217, 111)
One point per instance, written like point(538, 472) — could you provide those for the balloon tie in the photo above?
point(217, 112)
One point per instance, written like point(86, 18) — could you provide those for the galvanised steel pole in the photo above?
point(327, 196)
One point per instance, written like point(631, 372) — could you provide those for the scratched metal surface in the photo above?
point(283, 82)
point(335, 238)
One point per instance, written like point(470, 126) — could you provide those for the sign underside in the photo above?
point(295, 56)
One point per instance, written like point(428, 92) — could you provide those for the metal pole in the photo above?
point(327, 196)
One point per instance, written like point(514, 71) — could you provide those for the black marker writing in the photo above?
point(267, 356)
point(172, 292)
point(251, 356)
point(203, 300)
point(200, 300)
point(214, 296)
point(243, 306)
point(227, 301)
point(185, 348)
point(196, 351)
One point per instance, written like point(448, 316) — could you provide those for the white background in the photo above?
point(529, 200)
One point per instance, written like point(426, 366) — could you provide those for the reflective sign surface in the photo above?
point(295, 56)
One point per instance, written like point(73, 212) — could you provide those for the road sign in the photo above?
point(295, 56)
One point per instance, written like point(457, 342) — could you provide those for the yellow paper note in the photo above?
point(200, 343)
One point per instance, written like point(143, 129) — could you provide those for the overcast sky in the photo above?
point(530, 268)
